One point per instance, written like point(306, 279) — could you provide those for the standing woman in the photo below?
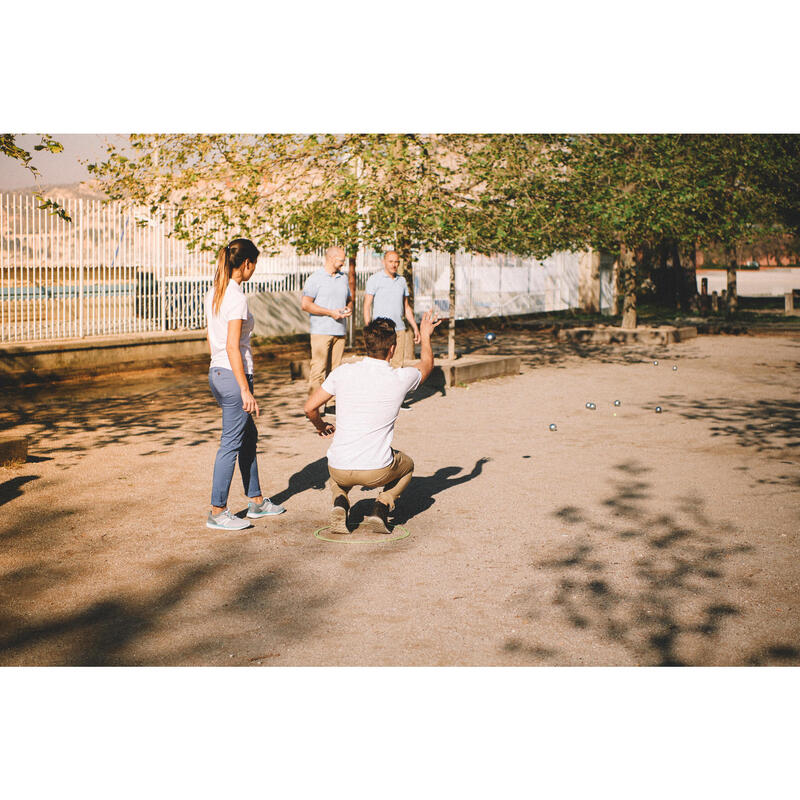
point(230, 325)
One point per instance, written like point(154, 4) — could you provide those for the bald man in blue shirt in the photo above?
point(327, 301)
point(386, 295)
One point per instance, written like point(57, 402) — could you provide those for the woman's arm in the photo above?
point(235, 357)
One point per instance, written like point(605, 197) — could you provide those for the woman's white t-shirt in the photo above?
point(234, 306)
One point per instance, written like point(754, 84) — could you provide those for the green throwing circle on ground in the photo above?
point(386, 540)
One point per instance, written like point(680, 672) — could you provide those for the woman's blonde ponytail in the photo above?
point(221, 277)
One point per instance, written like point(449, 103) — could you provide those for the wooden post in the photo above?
point(451, 336)
point(351, 282)
point(731, 297)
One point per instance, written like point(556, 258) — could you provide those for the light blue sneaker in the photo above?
point(226, 522)
point(265, 509)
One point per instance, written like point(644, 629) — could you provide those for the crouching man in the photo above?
point(368, 397)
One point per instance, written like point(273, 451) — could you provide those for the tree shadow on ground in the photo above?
point(537, 348)
point(164, 411)
point(659, 585)
point(762, 425)
point(775, 655)
point(194, 610)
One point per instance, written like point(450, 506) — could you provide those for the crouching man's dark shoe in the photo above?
point(378, 519)
point(338, 520)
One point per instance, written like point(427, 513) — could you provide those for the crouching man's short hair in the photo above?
point(379, 336)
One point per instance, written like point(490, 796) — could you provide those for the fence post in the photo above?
point(80, 267)
point(163, 270)
point(451, 334)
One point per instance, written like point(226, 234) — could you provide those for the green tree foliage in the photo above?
point(357, 190)
point(370, 189)
point(641, 197)
point(10, 149)
point(749, 192)
point(633, 195)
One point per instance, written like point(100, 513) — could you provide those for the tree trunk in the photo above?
point(627, 283)
point(351, 282)
point(686, 276)
point(691, 281)
point(732, 298)
point(451, 334)
point(665, 276)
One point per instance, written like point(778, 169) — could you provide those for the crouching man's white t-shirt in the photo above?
point(234, 306)
point(368, 398)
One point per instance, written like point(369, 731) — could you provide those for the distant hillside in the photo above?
point(85, 190)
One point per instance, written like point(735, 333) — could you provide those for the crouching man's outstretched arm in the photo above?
point(427, 324)
point(315, 401)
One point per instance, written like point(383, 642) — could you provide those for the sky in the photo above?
point(56, 168)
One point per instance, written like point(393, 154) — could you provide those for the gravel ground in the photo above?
point(625, 537)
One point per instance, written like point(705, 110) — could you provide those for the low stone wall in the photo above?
point(445, 372)
point(40, 360)
point(606, 334)
point(13, 448)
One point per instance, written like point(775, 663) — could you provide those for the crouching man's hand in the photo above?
point(326, 431)
point(315, 401)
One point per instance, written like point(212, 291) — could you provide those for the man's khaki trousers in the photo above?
point(404, 351)
point(326, 355)
point(394, 479)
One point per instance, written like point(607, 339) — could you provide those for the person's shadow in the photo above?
point(419, 495)
point(434, 385)
point(311, 476)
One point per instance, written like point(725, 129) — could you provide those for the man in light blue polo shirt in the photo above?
point(326, 299)
point(386, 295)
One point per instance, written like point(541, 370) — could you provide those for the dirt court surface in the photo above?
point(625, 537)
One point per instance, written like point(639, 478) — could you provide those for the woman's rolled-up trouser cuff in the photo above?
point(394, 478)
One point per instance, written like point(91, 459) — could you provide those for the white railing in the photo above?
point(115, 270)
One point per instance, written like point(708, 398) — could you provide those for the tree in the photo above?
point(10, 148)
point(356, 190)
point(629, 195)
point(749, 187)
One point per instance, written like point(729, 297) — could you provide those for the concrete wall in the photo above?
point(277, 313)
point(99, 354)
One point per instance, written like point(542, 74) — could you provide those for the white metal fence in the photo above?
point(115, 270)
